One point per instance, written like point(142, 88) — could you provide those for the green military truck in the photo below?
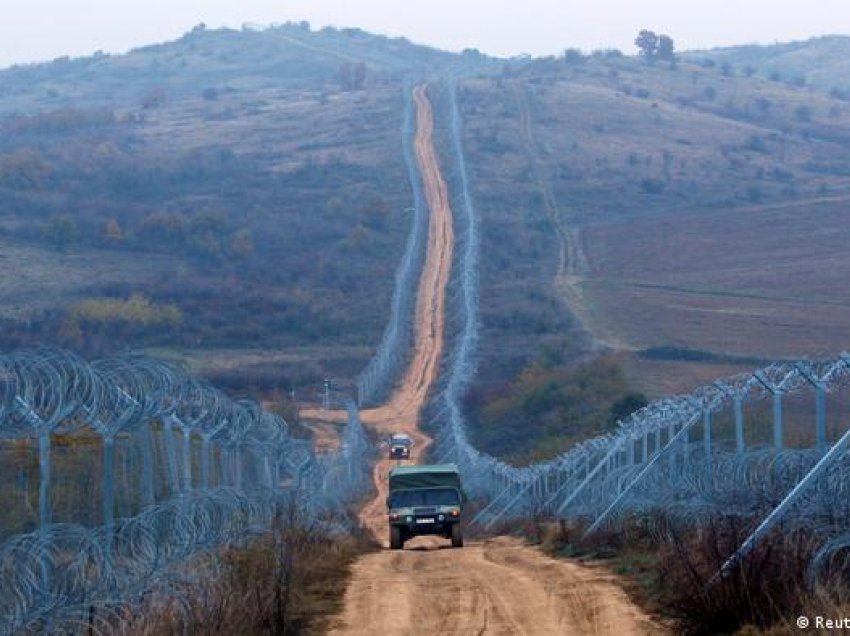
point(425, 499)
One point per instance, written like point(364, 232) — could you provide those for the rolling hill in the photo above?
point(819, 62)
point(701, 218)
point(236, 199)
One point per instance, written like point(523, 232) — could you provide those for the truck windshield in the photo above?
point(429, 497)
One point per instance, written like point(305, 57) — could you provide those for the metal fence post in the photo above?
point(820, 405)
point(170, 455)
point(205, 461)
point(187, 460)
point(737, 404)
point(671, 459)
point(44, 516)
point(108, 487)
point(776, 390)
point(777, 420)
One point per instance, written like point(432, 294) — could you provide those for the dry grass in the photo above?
point(670, 570)
point(290, 582)
point(721, 282)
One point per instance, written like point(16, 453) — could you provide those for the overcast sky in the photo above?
point(36, 30)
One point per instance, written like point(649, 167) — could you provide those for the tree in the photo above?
point(154, 98)
point(60, 231)
point(666, 48)
point(359, 75)
point(112, 231)
point(647, 43)
point(352, 77)
point(345, 75)
point(241, 244)
point(24, 169)
point(573, 56)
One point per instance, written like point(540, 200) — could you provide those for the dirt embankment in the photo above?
point(499, 586)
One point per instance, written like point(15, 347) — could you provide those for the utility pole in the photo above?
point(326, 395)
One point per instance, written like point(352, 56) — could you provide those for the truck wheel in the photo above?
point(457, 536)
point(396, 542)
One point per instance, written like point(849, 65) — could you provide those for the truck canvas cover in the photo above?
point(424, 476)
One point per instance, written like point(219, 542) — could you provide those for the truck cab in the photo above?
point(425, 499)
point(399, 445)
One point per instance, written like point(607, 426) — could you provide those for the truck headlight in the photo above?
point(441, 518)
point(410, 520)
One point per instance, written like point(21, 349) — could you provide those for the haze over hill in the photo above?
point(820, 62)
point(239, 197)
point(251, 164)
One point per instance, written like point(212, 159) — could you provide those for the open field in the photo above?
point(721, 282)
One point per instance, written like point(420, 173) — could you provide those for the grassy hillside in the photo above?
point(225, 60)
point(236, 198)
point(228, 196)
point(823, 63)
point(701, 217)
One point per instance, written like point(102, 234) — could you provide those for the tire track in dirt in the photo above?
point(498, 586)
point(573, 268)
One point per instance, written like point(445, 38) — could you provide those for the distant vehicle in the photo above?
point(425, 499)
point(400, 446)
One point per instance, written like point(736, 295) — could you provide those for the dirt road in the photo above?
point(401, 412)
point(499, 586)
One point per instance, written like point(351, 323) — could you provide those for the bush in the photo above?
point(652, 186)
point(756, 143)
point(549, 406)
point(766, 587)
point(573, 56)
point(290, 581)
point(674, 567)
point(803, 113)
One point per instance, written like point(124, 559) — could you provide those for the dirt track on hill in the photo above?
point(499, 586)
point(573, 267)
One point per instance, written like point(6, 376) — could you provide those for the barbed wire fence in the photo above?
point(377, 379)
point(116, 473)
point(124, 469)
point(770, 445)
point(120, 471)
